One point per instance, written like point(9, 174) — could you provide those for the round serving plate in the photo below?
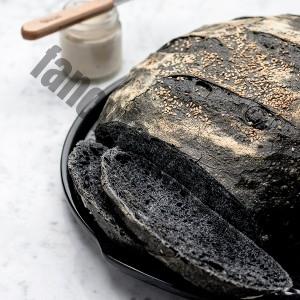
point(143, 268)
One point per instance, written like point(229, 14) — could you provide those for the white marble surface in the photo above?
point(43, 255)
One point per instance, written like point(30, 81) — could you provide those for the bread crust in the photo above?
point(228, 95)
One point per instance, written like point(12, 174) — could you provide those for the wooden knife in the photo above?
point(40, 27)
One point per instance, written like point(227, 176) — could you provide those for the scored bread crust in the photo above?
point(183, 233)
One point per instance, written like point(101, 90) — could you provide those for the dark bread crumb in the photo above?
point(180, 166)
point(84, 166)
point(185, 234)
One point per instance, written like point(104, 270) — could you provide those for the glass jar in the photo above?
point(94, 46)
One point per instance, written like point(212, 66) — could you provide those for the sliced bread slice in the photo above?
point(185, 234)
point(84, 166)
point(181, 167)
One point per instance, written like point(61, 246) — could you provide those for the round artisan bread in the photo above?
point(228, 96)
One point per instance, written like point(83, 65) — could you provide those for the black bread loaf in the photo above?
point(228, 96)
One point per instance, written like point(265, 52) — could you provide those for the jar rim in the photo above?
point(103, 19)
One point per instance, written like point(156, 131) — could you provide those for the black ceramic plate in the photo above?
point(143, 268)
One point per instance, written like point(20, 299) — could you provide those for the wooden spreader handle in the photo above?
point(43, 26)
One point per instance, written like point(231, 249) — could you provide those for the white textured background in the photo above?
point(43, 255)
